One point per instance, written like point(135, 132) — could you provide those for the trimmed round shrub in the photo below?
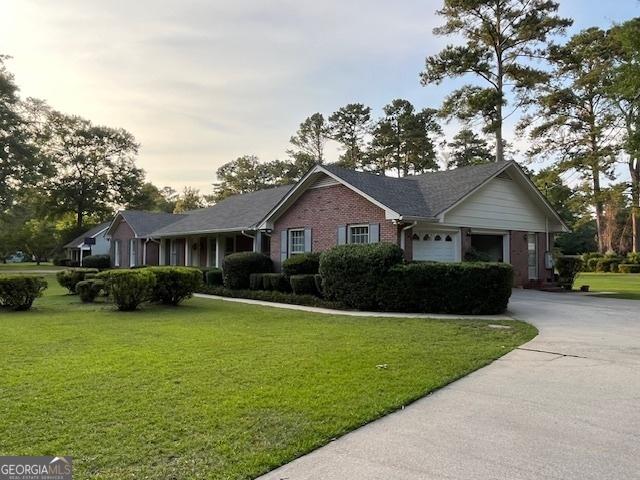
point(128, 288)
point(239, 266)
point(353, 273)
point(70, 278)
point(302, 264)
point(277, 282)
point(461, 288)
point(213, 277)
point(88, 290)
point(629, 268)
point(304, 284)
point(568, 268)
point(607, 264)
point(64, 262)
point(18, 292)
point(101, 262)
point(173, 285)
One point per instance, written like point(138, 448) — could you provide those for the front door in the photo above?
point(532, 240)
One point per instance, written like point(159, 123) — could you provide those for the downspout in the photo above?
point(404, 229)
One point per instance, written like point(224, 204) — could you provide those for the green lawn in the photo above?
point(8, 267)
point(626, 285)
point(214, 389)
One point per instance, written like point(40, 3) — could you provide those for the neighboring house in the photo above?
point(492, 209)
point(131, 242)
point(92, 242)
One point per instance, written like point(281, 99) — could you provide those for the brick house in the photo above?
point(491, 211)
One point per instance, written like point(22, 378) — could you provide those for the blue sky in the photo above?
point(200, 83)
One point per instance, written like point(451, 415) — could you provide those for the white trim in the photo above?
point(357, 225)
point(290, 252)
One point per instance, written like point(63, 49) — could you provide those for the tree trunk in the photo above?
point(499, 140)
point(634, 170)
point(597, 202)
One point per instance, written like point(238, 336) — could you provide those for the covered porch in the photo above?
point(209, 250)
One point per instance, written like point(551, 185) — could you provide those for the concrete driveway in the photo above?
point(564, 406)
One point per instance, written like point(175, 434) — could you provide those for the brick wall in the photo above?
point(324, 210)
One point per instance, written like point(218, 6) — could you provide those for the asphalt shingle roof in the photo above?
point(239, 212)
point(76, 242)
point(144, 223)
point(424, 195)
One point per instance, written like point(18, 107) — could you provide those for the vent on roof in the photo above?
point(324, 181)
point(504, 176)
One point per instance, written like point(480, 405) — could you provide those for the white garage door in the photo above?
point(435, 246)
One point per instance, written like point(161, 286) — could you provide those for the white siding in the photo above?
point(500, 204)
point(102, 245)
point(324, 181)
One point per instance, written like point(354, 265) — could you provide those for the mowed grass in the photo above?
point(26, 266)
point(212, 389)
point(625, 285)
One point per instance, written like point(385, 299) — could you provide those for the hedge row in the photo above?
point(597, 262)
point(71, 277)
point(238, 268)
point(271, 296)
point(372, 277)
point(19, 292)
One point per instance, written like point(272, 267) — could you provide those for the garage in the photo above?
point(435, 246)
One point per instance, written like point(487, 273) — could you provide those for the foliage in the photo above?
point(38, 237)
point(275, 296)
point(69, 278)
point(633, 257)
point(304, 284)
point(18, 292)
point(349, 126)
point(568, 268)
point(461, 288)
point(608, 264)
point(94, 166)
point(64, 262)
point(190, 199)
point(213, 276)
point(629, 268)
point(256, 281)
point(173, 285)
point(473, 255)
point(302, 264)
point(88, 290)
point(101, 262)
point(468, 148)
point(353, 273)
point(500, 40)
point(128, 289)
point(404, 139)
point(269, 281)
point(152, 199)
point(238, 266)
point(309, 141)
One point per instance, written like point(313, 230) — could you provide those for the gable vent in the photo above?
point(504, 176)
point(324, 181)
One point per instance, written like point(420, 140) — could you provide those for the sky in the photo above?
point(200, 83)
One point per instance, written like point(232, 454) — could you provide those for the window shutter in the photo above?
point(283, 245)
point(374, 233)
point(307, 240)
point(342, 235)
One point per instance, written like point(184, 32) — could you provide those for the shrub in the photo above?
point(472, 255)
point(302, 264)
point(174, 284)
point(629, 268)
point(129, 288)
point(568, 268)
point(18, 292)
point(592, 264)
point(633, 257)
point(352, 273)
point(88, 290)
point(607, 264)
point(238, 267)
point(272, 296)
point(213, 276)
point(70, 278)
point(256, 281)
point(275, 282)
point(304, 284)
point(318, 279)
point(64, 262)
point(101, 262)
point(462, 288)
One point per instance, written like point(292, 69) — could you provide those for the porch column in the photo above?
point(187, 256)
point(257, 242)
point(219, 251)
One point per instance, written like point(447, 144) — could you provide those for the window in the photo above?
point(437, 238)
point(132, 252)
point(415, 237)
point(359, 234)
point(296, 242)
point(427, 237)
point(116, 253)
point(448, 238)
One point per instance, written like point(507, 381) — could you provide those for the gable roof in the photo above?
point(94, 232)
point(143, 223)
point(423, 196)
point(238, 212)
